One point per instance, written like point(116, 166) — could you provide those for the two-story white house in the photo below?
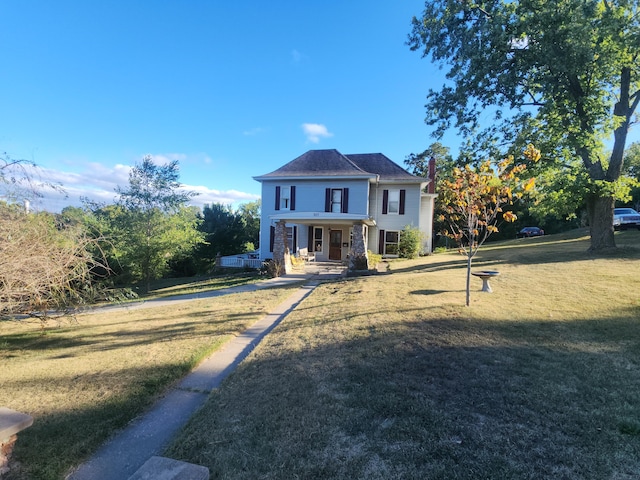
point(334, 206)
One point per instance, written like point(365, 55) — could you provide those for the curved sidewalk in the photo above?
point(150, 433)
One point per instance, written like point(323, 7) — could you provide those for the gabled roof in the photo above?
point(332, 163)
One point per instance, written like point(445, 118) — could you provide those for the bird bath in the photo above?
point(485, 275)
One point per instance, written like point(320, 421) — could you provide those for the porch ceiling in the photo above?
point(319, 218)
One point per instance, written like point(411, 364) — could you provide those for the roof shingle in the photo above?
point(333, 163)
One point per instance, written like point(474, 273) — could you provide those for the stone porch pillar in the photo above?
point(281, 254)
point(358, 257)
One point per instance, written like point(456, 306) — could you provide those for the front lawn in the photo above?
point(83, 380)
point(391, 376)
point(386, 376)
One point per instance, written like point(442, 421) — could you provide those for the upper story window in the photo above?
point(393, 205)
point(286, 197)
point(336, 200)
point(393, 201)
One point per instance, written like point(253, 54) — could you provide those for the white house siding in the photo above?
point(395, 221)
point(310, 198)
point(426, 221)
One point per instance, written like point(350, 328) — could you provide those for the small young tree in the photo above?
point(475, 200)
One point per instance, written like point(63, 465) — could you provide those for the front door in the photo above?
point(335, 245)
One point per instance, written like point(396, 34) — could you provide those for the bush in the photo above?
point(272, 268)
point(410, 242)
point(297, 262)
point(374, 259)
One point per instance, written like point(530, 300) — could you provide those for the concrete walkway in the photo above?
point(320, 271)
point(150, 433)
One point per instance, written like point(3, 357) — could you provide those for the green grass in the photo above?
point(386, 376)
point(83, 380)
point(168, 287)
point(392, 377)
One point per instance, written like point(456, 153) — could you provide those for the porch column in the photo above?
point(281, 254)
point(358, 257)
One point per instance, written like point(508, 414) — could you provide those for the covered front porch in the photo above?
point(317, 237)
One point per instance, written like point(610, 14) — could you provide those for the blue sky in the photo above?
point(230, 89)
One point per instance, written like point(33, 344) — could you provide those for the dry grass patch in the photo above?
point(83, 380)
point(391, 376)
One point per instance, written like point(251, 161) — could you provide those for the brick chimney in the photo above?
point(431, 188)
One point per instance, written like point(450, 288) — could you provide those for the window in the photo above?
point(336, 200)
point(290, 238)
point(391, 241)
point(393, 205)
point(286, 198)
point(393, 201)
point(317, 239)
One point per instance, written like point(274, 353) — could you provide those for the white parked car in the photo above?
point(624, 218)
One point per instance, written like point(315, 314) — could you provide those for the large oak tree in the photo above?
point(566, 72)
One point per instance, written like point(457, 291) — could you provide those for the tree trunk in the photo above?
point(600, 212)
point(469, 256)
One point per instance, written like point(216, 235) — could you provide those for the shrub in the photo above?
point(297, 262)
point(272, 268)
point(374, 259)
point(410, 242)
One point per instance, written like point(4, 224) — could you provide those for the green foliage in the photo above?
point(151, 224)
point(152, 239)
point(374, 259)
point(418, 164)
point(477, 198)
point(410, 242)
point(564, 75)
point(228, 232)
point(153, 188)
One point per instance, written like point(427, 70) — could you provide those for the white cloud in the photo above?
point(315, 131)
point(165, 158)
point(210, 196)
point(98, 182)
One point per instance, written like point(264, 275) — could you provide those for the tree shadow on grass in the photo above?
point(428, 399)
point(61, 437)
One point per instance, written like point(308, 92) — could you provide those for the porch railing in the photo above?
point(241, 261)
